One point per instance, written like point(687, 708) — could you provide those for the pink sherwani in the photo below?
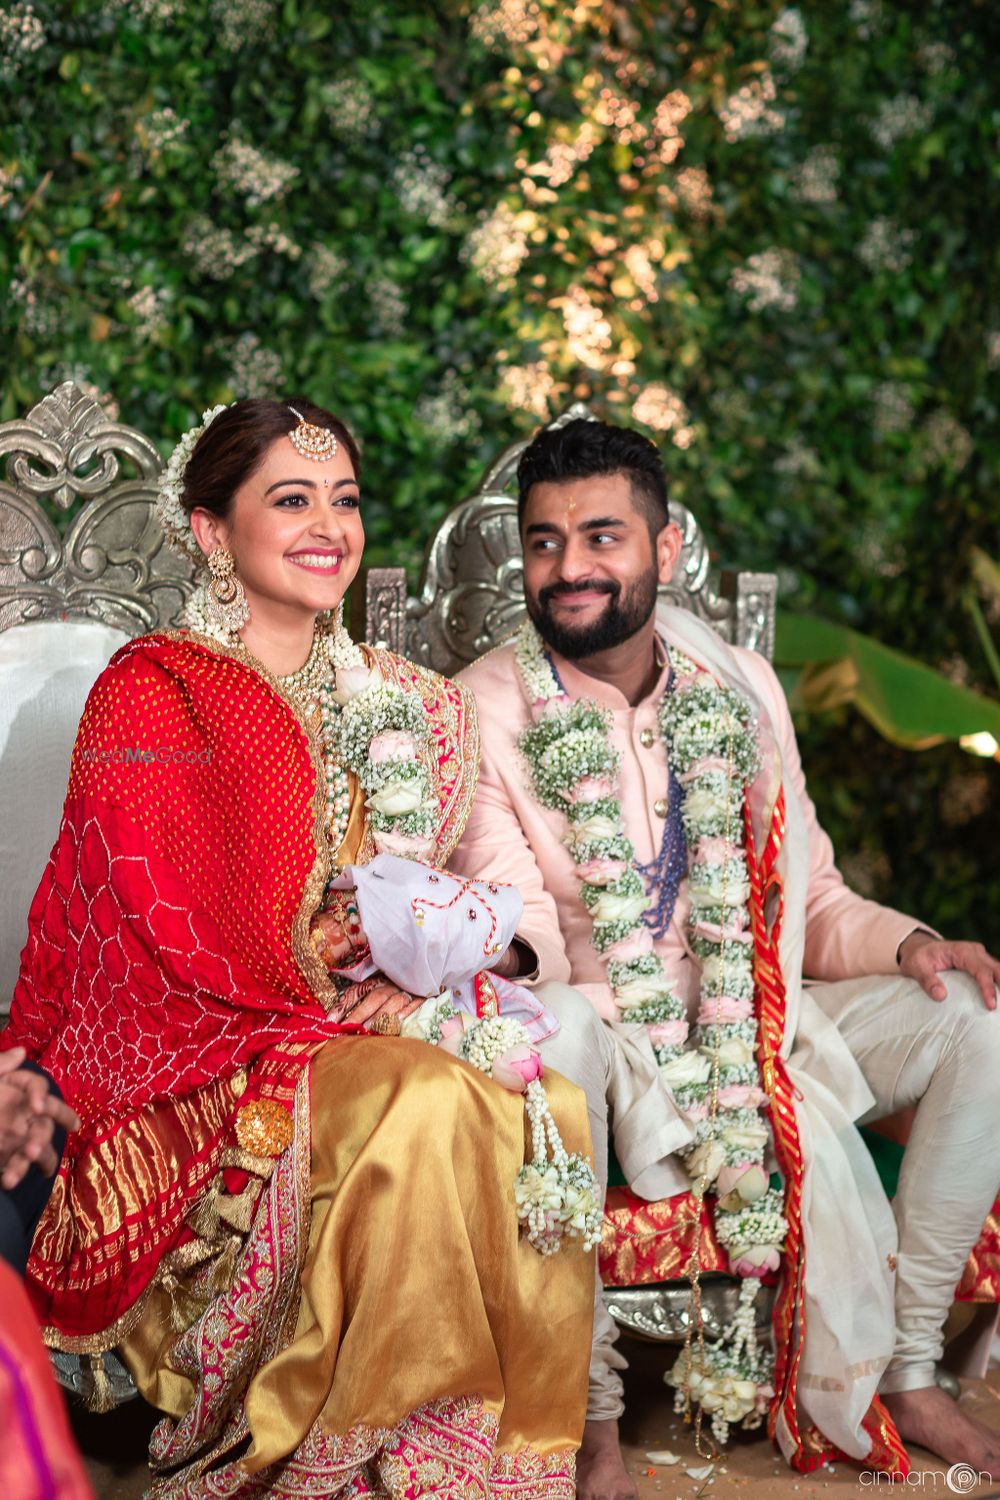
point(870, 1314)
point(511, 837)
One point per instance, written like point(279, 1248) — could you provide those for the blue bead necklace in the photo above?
point(663, 874)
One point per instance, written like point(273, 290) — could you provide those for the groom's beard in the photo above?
point(625, 613)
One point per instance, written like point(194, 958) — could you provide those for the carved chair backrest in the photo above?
point(471, 597)
point(68, 599)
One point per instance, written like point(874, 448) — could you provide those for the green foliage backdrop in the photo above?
point(761, 231)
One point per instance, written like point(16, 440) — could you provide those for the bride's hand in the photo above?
point(336, 933)
point(377, 1000)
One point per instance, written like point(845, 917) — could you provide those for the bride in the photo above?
point(298, 1226)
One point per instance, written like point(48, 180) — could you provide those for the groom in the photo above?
point(893, 1015)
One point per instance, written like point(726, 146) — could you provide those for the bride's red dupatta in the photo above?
point(168, 980)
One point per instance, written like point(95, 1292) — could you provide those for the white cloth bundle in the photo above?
point(431, 931)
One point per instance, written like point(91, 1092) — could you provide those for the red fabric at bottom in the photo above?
point(38, 1458)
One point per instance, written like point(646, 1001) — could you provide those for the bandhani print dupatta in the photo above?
point(168, 983)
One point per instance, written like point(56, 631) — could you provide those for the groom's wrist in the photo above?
point(520, 962)
point(912, 941)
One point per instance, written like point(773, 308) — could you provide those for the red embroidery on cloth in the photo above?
point(446, 1447)
point(981, 1277)
point(811, 1448)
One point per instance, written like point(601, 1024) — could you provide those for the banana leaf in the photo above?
point(824, 666)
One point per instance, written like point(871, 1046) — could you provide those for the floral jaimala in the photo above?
point(710, 740)
point(556, 1192)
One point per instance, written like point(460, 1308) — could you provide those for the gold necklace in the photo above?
point(305, 683)
point(307, 686)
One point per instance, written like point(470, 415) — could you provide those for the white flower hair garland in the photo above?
point(712, 749)
point(170, 513)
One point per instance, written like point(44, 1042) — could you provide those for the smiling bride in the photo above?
point(312, 1235)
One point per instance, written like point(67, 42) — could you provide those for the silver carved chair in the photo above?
point(470, 599)
point(69, 597)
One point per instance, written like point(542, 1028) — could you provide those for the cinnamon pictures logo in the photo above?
point(961, 1479)
point(134, 755)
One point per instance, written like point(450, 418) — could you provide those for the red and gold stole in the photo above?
point(810, 1447)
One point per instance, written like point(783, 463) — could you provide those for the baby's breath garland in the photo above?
point(708, 731)
point(556, 1192)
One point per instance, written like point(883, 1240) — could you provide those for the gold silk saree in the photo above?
point(330, 1295)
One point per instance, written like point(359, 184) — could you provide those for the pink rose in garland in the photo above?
point(544, 708)
point(668, 1033)
point(588, 789)
point(601, 870)
point(392, 744)
point(757, 1260)
point(453, 1030)
point(407, 845)
point(636, 943)
point(516, 1068)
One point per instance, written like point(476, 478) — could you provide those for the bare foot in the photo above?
point(600, 1468)
point(932, 1420)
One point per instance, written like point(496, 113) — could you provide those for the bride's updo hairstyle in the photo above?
point(233, 447)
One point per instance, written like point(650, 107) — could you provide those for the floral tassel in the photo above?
point(556, 1192)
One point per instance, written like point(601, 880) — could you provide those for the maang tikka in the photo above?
point(317, 443)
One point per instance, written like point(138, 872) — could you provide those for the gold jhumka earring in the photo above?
point(226, 595)
point(317, 443)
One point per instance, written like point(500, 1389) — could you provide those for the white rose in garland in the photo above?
point(398, 794)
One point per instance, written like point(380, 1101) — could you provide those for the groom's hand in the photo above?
point(923, 958)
